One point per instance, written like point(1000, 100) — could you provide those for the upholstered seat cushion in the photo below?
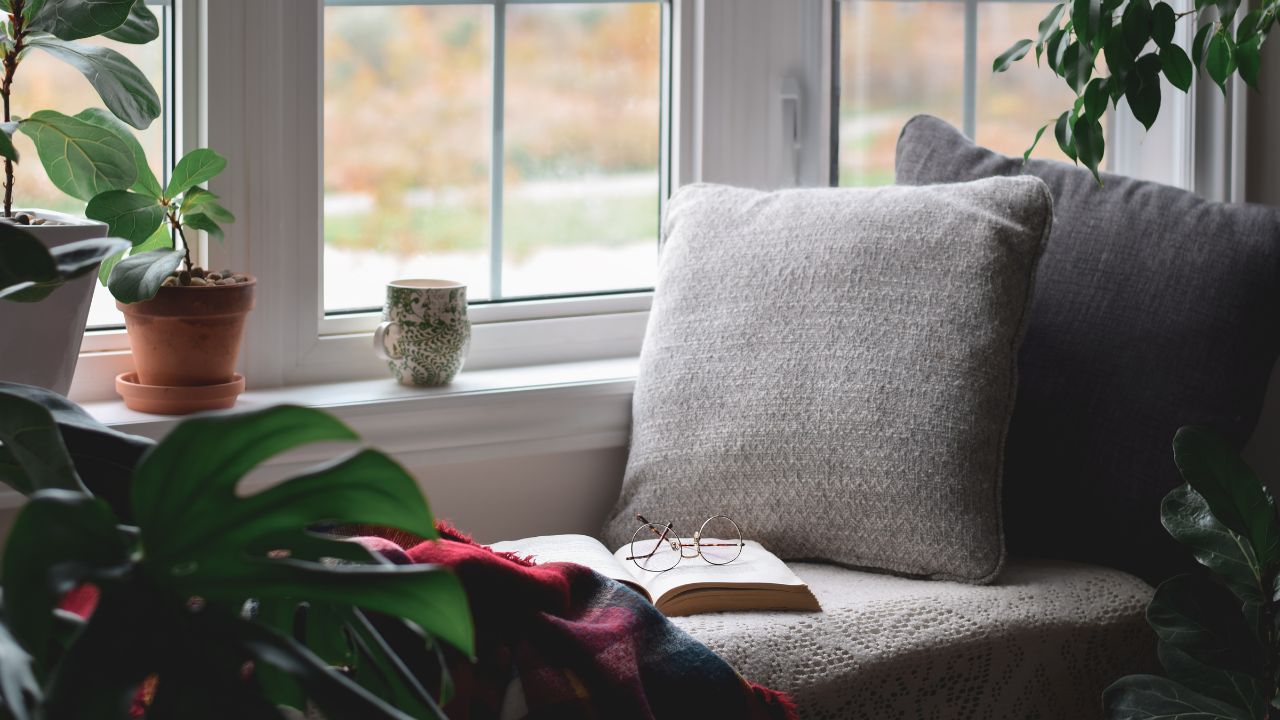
point(1042, 642)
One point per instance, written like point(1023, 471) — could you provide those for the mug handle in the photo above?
point(380, 341)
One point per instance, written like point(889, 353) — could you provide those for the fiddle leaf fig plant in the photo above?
point(156, 221)
point(1135, 38)
point(29, 271)
point(81, 157)
point(1218, 638)
point(208, 601)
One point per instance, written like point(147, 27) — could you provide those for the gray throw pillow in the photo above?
point(835, 369)
point(1154, 308)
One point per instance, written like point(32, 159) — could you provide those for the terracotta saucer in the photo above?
point(166, 400)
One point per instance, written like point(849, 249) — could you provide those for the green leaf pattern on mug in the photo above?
point(434, 337)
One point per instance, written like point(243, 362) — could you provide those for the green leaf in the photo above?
point(379, 670)
point(1135, 25)
point(1026, 155)
point(200, 531)
point(31, 438)
point(24, 261)
point(1007, 58)
point(1055, 49)
point(1177, 66)
point(197, 168)
point(1085, 18)
point(200, 221)
point(147, 183)
point(77, 19)
point(81, 159)
point(1248, 58)
point(1142, 89)
point(1248, 27)
point(1162, 22)
point(161, 239)
point(140, 28)
point(1062, 131)
point(1220, 59)
point(1090, 144)
point(124, 88)
point(1076, 67)
point(7, 150)
point(200, 200)
point(1234, 494)
point(103, 457)
point(1095, 99)
point(1119, 59)
point(128, 215)
point(1199, 44)
point(19, 689)
point(1148, 697)
point(1050, 23)
point(1204, 620)
point(138, 277)
point(59, 540)
point(1234, 688)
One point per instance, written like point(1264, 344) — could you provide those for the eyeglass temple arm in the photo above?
point(662, 537)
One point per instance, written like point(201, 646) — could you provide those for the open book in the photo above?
point(756, 580)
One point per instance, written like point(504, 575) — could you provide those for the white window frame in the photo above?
point(751, 104)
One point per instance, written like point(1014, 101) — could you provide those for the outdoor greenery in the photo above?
point(1136, 41)
point(1219, 636)
point(211, 603)
point(81, 155)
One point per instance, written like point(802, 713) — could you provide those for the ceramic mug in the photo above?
point(425, 332)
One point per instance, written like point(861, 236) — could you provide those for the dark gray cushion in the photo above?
point(834, 370)
point(1154, 308)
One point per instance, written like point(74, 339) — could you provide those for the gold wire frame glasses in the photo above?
point(658, 548)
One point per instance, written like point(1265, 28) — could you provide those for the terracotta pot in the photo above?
point(187, 336)
point(49, 332)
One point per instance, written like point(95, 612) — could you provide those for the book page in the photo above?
point(580, 549)
point(755, 567)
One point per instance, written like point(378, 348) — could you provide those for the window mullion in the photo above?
point(971, 68)
point(497, 150)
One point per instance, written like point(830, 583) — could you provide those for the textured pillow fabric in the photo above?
point(1154, 308)
point(835, 369)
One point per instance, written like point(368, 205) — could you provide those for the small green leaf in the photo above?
point(31, 437)
point(202, 201)
point(1055, 48)
point(1162, 22)
point(1076, 67)
point(1085, 17)
point(1062, 132)
point(81, 159)
point(140, 28)
point(1148, 697)
point(78, 19)
point(196, 168)
point(200, 221)
point(1119, 59)
point(127, 215)
point(124, 89)
point(1007, 58)
point(1142, 89)
point(1135, 25)
point(7, 150)
point(1095, 99)
point(161, 239)
point(1203, 620)
point(1248, 27)
point(24, 261)
point(1186, 516)
point(1050, 23)
point(138, 277)
point(1090, 144)
point(1177, 66)
point(147, 183)
point(1199, 43)
point(1234, 494)
point(1220, 60)
point(1248, 58)
point(1026, 155)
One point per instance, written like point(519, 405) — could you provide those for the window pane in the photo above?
point(406, 140)
point(1013, 104)
point(897, 59)
point(45, 83)
point(580, 205)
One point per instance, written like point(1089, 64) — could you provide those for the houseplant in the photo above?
point(79, 155)
point(1135, 38)
point(209, 603)
point(185, 324)
point(1219, 641)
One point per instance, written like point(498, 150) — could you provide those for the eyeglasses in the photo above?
point(658, 548)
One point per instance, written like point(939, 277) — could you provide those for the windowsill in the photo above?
point(487, 390)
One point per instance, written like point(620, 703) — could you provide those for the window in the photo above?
point(514, 147)
point(898, 58)
point(46, 83)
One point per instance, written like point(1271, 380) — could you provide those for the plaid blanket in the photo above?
point(560, 641)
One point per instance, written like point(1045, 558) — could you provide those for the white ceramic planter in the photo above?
point(40, 342)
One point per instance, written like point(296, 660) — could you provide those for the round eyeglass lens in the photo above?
point(720, 540)
point(651, 548)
